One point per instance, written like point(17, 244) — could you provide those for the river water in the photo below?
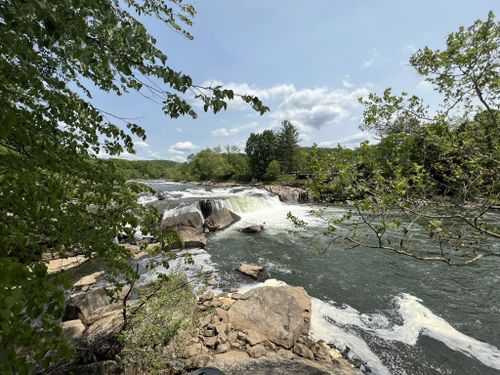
point(396, 314)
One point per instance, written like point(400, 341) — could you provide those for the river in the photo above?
point(396, 314)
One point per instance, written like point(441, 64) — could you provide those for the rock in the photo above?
point(286, 354)
point(303, 351)
point(211, 342)
point(72, 329)
point(257, 351)
point(95, 368)
point(221, 338)
point(232, 338)
point(207, 207)
point(273, 313)
point(204, 321)
point(64, 264)
point(222, 348)
point(192, 237)
point(222, 314)
point(269, 345)
point(87, 281)
point(212, 281)
point(83, 305)
point(188, 219)
point(289, 194)
point(226, 300)
point(221, 219)
point(207, 296)
point(197, 361)
point(233, 290)
point(250, 269)
point(253, 229)
point(109, 325)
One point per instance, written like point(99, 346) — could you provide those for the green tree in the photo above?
point(55, 196)
point(435, 172)
point(261, 149)
point(288, 147)
point(273, 170)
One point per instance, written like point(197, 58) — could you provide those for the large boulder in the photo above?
point(188, 219)
point(64, 264)
point(86, 282)
point(278, 314)
point(192, 237)
point(72, 329)
point(289, 194)
point(207, 207)
point(221, 219)
point(250, 269)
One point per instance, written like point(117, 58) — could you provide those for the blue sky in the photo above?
point(307, 60)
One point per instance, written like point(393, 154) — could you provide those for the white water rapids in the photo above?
point(331, 321)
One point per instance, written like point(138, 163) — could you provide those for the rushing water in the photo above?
point(397, 314)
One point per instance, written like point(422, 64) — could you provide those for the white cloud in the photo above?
point(352, 140)
point(141, 145)
point(183, 146)
point(425, 86)
point(226, 132)
point(371, 60)
point(368, 63)
point(347, 84)
point(179, 130)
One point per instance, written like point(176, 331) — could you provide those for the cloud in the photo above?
point(352, 140)
point(179, 130)
point(141, 146)
point(347, 84)
point(371, 60)
point(425, 86)
point(226, 132)
point(368, 63)
point(183, 146)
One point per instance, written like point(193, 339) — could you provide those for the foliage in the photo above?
point(261, 150)
point(435, 174)
point(287, 147)
point(273, 170)
point(170, 309)
point(142, 169)
point(55, 195)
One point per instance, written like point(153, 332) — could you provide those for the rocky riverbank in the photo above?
point(262, 331)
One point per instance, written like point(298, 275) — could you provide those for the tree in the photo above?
point(55, 196)
point(288, 147)
point(432, 173)
point(273, 170)
point(260, 150)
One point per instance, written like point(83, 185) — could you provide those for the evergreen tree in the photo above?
point(261, 150)
point(288, 147)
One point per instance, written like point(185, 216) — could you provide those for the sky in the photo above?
point(309, 61)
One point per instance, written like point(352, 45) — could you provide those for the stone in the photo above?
point(222, 348)
point(89, 280)
point(257, 351)
point(253, 229)
point(226, 301)
point(64, 264)
point(303, 351)
point(72, 329)
point(272, 313)
point(233, 290)
point(211, 342)
point(197, 361)
point(269, 345)
point(212, 281)
point(192, 237)
point(221, 219)
point(232, 338)
point(236, 296)
point(82, 306)
point(289, 194)
point(222, 314)
point(221, 327)
point(221, 338)
point(285, 354)
point(204, 321)
point(207, 296)
point(207, 207)
point(188, 219)
point(250, 269)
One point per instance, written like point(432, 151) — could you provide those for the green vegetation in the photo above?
point(167, 308)
point(437, 172)
point(56, 197)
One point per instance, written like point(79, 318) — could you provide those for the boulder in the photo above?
point(221, 219)
point(289, 194)
point(64, 264)
point(272, 313)
point(257, 351)
point(253, 229)
point(250, 269)
point(207, 207)
point(83, 305)
point(72, 329)
point(192, 237)
point(87, 281)
point(188, 219)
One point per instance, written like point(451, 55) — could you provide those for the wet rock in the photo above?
point(251, 270)
point(188, 219)
point(207, 207)
point(192, 237)
point(272, 313)
point(253, 229)
point(221, 219)
point(289, 194)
